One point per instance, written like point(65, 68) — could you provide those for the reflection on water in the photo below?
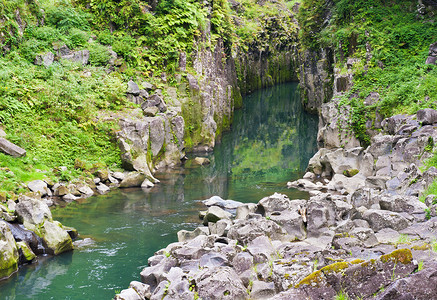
point(270, 143)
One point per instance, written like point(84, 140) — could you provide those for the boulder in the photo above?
point(201, 161)
point(44, 59)
point(55, 237)
point(427, 116)
point(245, 231)
point(118, 175)
point(61, 190)
point(102, 188)
point(8, 252)
point(262, 290)
point(379, 219)
point(261, 249)
point(184, 235)
point(408, 204)
point(132, 88)
point(154, 101)
point(128, 294)
point(32, 212)
point(143, 290)
point(291, 221)
point(38, 186)
point(242, 262)
point(220, 283)
point(214, 214)
point(11, 149)
point(229, 205)
point(26, 254)
point(147, 184)
point(133, 179)
point(221, 228)
point(245, 210)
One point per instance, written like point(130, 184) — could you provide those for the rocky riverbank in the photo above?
point(364, 232)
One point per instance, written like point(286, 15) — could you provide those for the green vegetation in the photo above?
point(341, 296)
point(390, 44)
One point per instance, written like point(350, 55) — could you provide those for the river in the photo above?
point(270, 143)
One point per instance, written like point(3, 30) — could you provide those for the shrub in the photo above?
point(99, 55)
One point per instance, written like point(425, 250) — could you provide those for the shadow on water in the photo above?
point(270, 143)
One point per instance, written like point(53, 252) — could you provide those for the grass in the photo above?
point(341, 296)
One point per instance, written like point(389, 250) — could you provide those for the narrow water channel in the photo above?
point(270, 143)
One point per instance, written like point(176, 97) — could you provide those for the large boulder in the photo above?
point(220, 283)
point(38, 186)
point(8, 252)
point(133, 179)
point(32, 212)
point(214, 214)
point(379, 219)
point(11, 149)
point(55, 237)
point(427, 116)
point(245, 231)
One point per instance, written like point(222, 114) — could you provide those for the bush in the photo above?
point(77, 38)
point(105, 37)
point(99, 55)
point(123, 46)
point(65, 17)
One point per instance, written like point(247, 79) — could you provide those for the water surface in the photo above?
point(270, 143)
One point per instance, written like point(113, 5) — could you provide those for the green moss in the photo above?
point(27, 252)
point(401, 255)
point(350, 172)
point(422, 247)
point(314, 279)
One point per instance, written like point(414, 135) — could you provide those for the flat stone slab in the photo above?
point(11, 149)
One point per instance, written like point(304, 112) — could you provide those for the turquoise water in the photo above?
point(270, 143)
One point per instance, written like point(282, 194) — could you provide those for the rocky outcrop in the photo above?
point(316, 78)
point(9, 251)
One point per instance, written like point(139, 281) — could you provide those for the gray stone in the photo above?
point(292, 221)
point(118, 175)
point(70, 197)
point(85, 190)
point(409, 204)
point(184, 235)
point(420, 285)
point(220, 228)
point(214, 214)
point(225, 204)
point(150, 111)
point(427, 116)
point(365, 235)
point(245, 231)
point(261, 249)
point(379, 219)
point(147, 86)
point(102, 188)
point(11, 149)
point(262, 290)
point(128, 294)
point(32, 212)
point(242, 262)
point(133, 179)
point(245, 210)
point(132, 88)
point(213, 259)
point(45, 59)
point(147, 184)
point(192, 81)
point(55, 237)
point(220, 283)
point(143, 290)
point(38, 186)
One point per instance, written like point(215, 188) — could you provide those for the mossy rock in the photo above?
point(350, 172)
point(401, 255)
point(27, 252)
point(8, 252)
